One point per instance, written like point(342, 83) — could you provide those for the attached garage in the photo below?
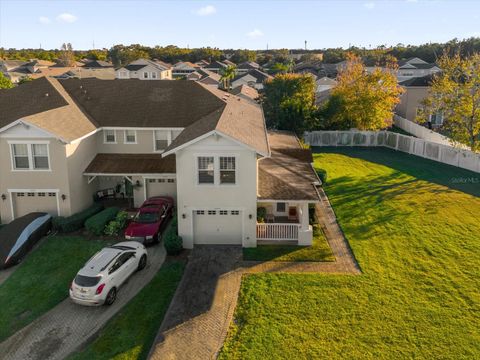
point(217, 227)
point(160, 186)
point(25, 202)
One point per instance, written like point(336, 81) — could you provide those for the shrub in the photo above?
point(261, 214)
point(322, 174)
point(172, 242)
point(96, 224)
point(76, 221)
point(115, 226)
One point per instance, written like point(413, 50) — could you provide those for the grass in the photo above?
point(319, 251)
point(130, 333)
point(42, 280)
point(413, 225)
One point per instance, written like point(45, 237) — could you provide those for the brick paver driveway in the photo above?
point(197, 321)
point(68, 326)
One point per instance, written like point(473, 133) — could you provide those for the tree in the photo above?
point(66, 57)
point(227, 74)
point(455, 93)
point(289, 102)
point(25, 79)
point(5, 82)
point(240, 56)
point(365, 100)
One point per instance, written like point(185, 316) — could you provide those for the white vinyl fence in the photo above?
point(430, 150)
point(420, 131)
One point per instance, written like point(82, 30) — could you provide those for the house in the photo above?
point(98, 64)
point(145, 69)
point(18, 69)
point(202, 63)
point(229, 63)
point(205, 76)
point(247, 66)
point(415, 67)
point(254, 78)
point(183, 68)
point(215, 66)
point(64, 142)
point(324, 86)
point(246, 92)
point(416, 90)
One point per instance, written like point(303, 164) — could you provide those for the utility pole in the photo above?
point(305, 45)
point(93, 44)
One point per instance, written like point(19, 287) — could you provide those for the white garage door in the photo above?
point(27, 202)
point(159, 187)
point(217, 227)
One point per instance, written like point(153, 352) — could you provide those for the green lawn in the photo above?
point(42, 280)
point(414, 226)
point(130, 334)
point(319, 251)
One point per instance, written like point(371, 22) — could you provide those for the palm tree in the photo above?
point(227, 74)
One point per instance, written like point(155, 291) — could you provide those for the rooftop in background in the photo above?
point(423, 81)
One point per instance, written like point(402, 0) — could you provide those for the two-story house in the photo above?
point(63, 142)
point(145, 69)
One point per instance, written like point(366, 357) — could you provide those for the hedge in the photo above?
point(118, 224)
point(76, 221)
point(96, 224)
point(172, 242)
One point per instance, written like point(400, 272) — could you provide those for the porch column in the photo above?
point(305, 233)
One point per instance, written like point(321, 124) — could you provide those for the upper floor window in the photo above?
point(227, 170)
point(154, 75)
point(110, 137)
point(206, 170)
point(145, 75)
point(30, 156)
point(130, 137)
point(123, 74)
point(161, 139)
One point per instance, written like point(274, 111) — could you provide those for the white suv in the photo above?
point(98, 281)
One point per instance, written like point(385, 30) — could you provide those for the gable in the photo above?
point(25, 130)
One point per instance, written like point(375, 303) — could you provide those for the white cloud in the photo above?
point(206, 10)
point(66, 18)
point(44, 20)
point(255, 33)
point(369, 5)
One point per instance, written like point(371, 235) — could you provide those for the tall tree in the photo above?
point(289, 102)
point(66, 57)
point(5, 82)
point(365, 100)
point(455, 93)
point(227, 74)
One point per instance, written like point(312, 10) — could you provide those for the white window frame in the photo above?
point(125, 136)
point(31, 166)
point(198, 170)
point(216, 169)
point(229, 170)
point(145, 73)
point(169, 139)
point(105, 136)
point(154, 75)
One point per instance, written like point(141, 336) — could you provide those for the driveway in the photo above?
point(200, 313)
point(68, 326)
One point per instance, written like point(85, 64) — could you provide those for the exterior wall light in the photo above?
point(64, 197)
point(184, 216)
point(250, 216)
point(4, 197)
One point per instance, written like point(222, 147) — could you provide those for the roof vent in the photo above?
point(81, 86)
point(84, 91)
point(46, 94)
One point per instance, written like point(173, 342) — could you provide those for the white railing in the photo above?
point(277, 231)
point(446, 154)
point(420, 131)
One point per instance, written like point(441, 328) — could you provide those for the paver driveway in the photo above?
point(68, 326)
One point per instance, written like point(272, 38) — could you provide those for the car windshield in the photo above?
point(146, 217)
point(87, 281)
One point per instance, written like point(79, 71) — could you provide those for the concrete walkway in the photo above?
point(68, 326)
point(197, 321)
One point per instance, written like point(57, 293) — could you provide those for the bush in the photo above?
point(261, 214)
point(115, 226)
point(96, 224)
point(322, 174)
point(172, 242)
point(76, 221)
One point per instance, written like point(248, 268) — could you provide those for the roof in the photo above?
point(248, 65)
point(245, 91)
point(418, 81)
point(134, 103)
point(131, 164)
point(215, 65)
point(412, 61)
point(98, 64)
point(228, 62)
point(160, 65)
point(260, 76)
point(131, 67)
point(238, 118)
point(288, 173)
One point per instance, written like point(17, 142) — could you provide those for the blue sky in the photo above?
point(235, 24)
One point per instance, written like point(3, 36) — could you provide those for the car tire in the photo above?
point(111, 296)
point(142, 263)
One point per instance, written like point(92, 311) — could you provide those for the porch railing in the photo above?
point(277, 231)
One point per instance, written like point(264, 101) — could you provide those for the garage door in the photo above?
point(158, 187)
point(27, 202)
point(217, 227)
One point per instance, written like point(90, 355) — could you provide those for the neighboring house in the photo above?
point(145, 69)
point(215, 66)
point(324, 87)
point(202, 63)
point(98, 64)
point(416, 90)
point(229, 63)
point(205, 77)
point(254, 78)
point(415, 67)
point(64, 141)
point(247, 66)
point(18, 69)
point(246, 92)
point(183, 68)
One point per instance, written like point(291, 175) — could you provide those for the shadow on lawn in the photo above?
point(423, 169)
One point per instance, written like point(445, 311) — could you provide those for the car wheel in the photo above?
point(142, 263)
point(111, 296)
point(156, 238)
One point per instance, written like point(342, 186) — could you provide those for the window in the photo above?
point(200, 212)
point(130, 137)
point(161, 180)
point(123, 74)
point(152, 181)
point(145, 75)
point(223, 212)
point(154, 75)
point(171, 181)
point(40, 156)
point(20, 194)
point(110, 136)
point(206, 173)
point(436, 119)
point(212, 212)
point(281, 207)
point(52, 194)
point(235, 212)
point(30, 157)
point(30, 194)
point(227, 170)
point(41, 194)
point(161, 140)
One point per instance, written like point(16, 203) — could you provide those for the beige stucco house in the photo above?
point(65, 142)
point(145, 69)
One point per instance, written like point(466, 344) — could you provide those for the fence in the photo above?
point(430, 150)
point(420, 131)
point(277, 231)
